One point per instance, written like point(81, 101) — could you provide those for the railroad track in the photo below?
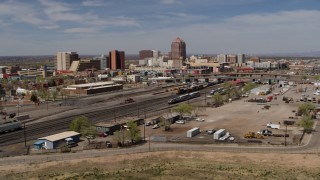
point(40, 129)
point(36, 130)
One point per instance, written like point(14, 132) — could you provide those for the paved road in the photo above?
point(153, 147)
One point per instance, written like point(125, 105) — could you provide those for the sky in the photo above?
point(92, 27)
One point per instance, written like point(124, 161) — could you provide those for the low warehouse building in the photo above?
point(56, 140)
point(110, 127)
point(93, 88)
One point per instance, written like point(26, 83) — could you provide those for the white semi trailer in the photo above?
point(193, 132)
point(218, 134)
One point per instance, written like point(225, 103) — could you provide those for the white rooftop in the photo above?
point(60, 136)
point(92, 84)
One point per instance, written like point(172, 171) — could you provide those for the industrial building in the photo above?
point(57, 140)
point(92, 88)
point(110, 127)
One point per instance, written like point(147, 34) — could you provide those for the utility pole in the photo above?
point(114, 114)
point(138, 112)
point(285, 137)
point(144, 125)
point(149, 143)
point(205, 98)
point(24, 133)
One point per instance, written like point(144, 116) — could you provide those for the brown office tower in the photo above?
point(116, 60)
point(145, 54)
point(178, 49)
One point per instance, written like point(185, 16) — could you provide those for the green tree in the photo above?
point(249, 86)
point(88, 132)
point(165, 123)
point(307, 123)
point(54, 94)
point(24, 84)
point(133, 132)
point(79, 123)
point(120, 137)
point(306, 108)
point(44, 94)
point(34, 98)
point(183, 109)
point(234, 93)
point(218, 99)
point(227, 85)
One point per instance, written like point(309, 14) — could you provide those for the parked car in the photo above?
point(72, 144)
point(210, 131)
point(200, 119)
point(108, 144)
point(90, 137)
point(148, 123)
point(180, 122)
point(101, 134)
point(156, 126)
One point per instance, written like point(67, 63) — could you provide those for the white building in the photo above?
point(156, 53)
point(241, 58)
point(64, 60)
point(133, 78)
point(222, 58)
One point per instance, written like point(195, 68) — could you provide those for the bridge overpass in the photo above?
point(274, 77)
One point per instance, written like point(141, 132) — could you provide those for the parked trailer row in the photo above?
point(10, 126)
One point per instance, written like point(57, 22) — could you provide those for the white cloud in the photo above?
point(59, 12)
point(11, 11)
point(94, 3)
point(168, 1)
point(80, 30)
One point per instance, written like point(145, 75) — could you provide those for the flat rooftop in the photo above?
point(60, 136)
point(92, 84)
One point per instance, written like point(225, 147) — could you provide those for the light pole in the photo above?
point(114, 114)
point(144, 125)
point(24, 133)
point(285, 137)
point(18, 106)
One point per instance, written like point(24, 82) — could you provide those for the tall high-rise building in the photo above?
point(232, 59)
point(65, 59)
point(116, 60)
point(145, 54)
point(178, 49)
point(222, 58)
point(241, 58)
point(103, 61)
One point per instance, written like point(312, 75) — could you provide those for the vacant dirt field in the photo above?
point(240, 117)
point(174, 165)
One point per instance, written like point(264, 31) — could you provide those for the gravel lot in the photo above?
point(240, 117)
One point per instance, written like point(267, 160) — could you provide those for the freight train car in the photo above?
point(10, 126)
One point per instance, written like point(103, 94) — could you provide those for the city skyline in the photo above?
point(43, 27)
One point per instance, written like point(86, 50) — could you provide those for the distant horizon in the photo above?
point(292, 55)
